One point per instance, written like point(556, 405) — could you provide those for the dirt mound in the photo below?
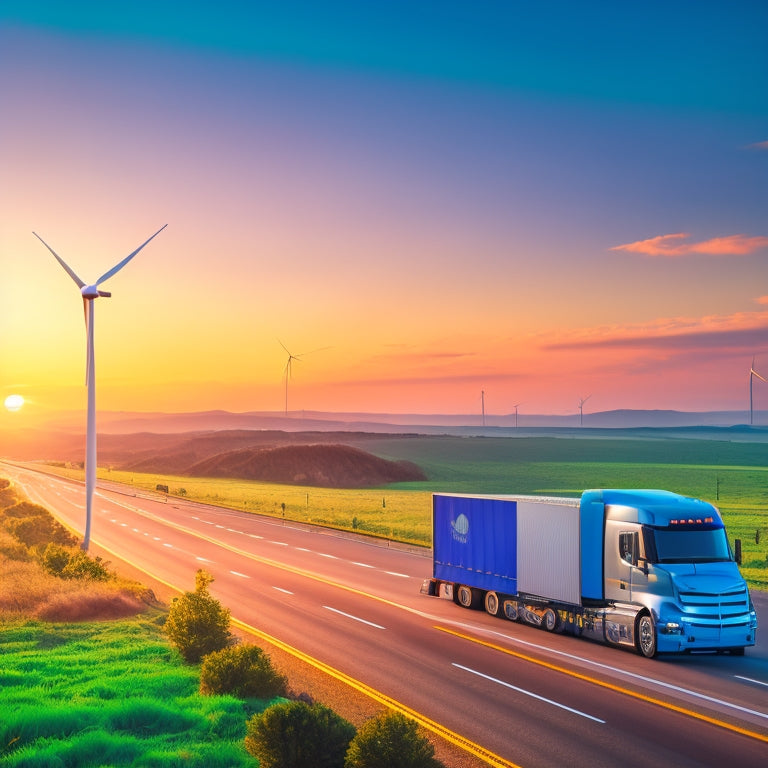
point(327, 466)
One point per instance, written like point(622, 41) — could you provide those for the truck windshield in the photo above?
point(690, 546)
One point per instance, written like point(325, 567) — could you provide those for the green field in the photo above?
point(111, 693)
point(732, 475)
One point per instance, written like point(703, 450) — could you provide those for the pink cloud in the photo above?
point(762, 299)
point(759, 145)
point(670, 246)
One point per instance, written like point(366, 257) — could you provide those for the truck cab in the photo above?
point(670, 555)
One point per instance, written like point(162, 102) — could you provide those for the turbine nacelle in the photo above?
point(92, 292)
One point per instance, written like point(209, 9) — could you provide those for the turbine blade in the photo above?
point(755, 373)
point(119, 266)
point(67, 268)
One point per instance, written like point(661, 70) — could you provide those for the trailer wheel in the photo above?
point(550, 620)
point(469, 597)
point(510, 610)
point(492, 604)
point(645, 636)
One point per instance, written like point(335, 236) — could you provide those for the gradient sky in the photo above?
point(541, 201)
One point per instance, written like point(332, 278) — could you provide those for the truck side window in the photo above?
point(627, 547)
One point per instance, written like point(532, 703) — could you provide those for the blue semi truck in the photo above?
point(647, 569)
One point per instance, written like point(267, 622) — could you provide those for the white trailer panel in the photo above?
point(548, 550)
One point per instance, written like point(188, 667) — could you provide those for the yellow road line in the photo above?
point(609, 686)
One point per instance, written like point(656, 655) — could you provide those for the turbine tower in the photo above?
point(752, 374)
point(482, 404)
point(89, 293)
point(516, 406)
point(581, 409)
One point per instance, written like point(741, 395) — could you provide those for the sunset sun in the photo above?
point(14, 402)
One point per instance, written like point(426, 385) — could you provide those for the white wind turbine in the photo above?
point(752, 374)
point(288, 370)
point(581, 409)
point(89, 293)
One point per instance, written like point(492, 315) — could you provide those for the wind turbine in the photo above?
point(752, 374)
point(482, 404)
point(89, 293)
point(288, 369)
point(516, 406)
point(581, 409)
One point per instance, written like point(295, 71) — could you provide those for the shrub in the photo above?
point(197, 623)
point(55, 558)
point(390, 740)
point(35, 526)
point(81, 566)
point(244, 671)
point(298, 735)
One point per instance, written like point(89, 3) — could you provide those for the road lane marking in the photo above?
point(241, 575)
point(279, 543)
point(302, 549)
point(399, 575)
point(350, 616)
point(528, 693)
point(612, 686)
point(330, 557)
point(362, 565)
point(285, 591)
point(751, 680)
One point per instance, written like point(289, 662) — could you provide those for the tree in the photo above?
point(197, 623)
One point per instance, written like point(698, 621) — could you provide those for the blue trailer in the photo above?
point(647, 569)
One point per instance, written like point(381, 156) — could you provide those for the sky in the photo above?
point(432, 204)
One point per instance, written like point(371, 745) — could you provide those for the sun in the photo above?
point(14, 402)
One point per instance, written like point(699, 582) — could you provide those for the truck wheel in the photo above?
point(550, 620)
point(469, 597)
point(645, 636)
point(492, 604)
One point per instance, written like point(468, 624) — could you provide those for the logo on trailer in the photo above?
point(460, 528)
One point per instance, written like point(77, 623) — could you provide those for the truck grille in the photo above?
point(729, 608)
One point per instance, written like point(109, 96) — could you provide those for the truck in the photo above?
point(650, 570)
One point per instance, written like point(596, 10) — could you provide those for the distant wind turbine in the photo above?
point(89, 293)
point(581, 409)
point(288, 370)
point(516, 406)
point(482, 404)
point(752, 374)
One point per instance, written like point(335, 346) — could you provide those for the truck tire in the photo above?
point(550, 620)
point(645, 636)
point(469, 597)
point(493, 604)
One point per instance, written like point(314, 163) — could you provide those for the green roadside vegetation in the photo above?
point(731, 475)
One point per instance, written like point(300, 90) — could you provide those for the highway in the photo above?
point(516, 695)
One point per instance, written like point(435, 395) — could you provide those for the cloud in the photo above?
point(761, 145)
point(731, 333)
point(670, 246)
point(762, 299)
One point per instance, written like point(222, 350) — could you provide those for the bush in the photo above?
point(80, 566)
point(35, 526)
point(390, 740)
point(298, 735)
point(244, 671)
point(197, 623)
point(55, 558)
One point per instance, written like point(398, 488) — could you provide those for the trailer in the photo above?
point(645, 569)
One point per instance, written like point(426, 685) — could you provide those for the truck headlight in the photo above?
point(671, 628)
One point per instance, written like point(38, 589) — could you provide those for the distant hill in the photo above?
point(327, 466)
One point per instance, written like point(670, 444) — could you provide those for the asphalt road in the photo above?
point(521, 696)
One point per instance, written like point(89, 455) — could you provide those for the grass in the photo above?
point(97, 694)
point(732, 475)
